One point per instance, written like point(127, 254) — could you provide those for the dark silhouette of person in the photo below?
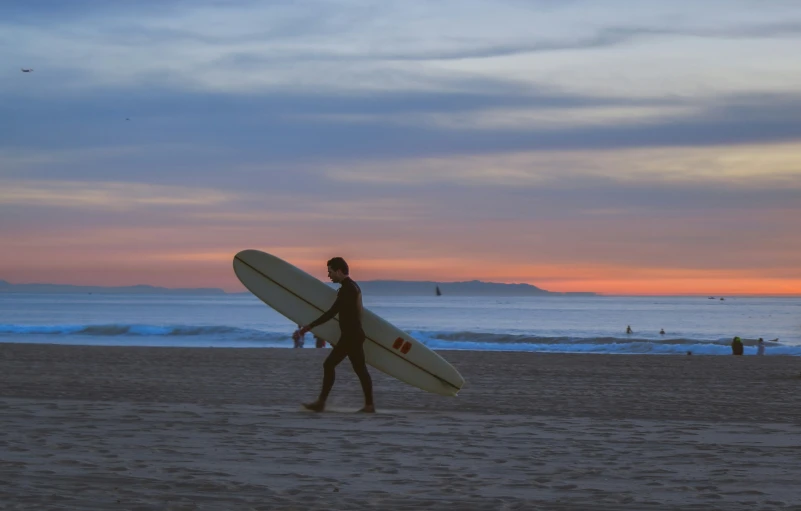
point(736, 346)
point(351, 341)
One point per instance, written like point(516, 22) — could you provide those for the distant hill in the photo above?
point(369, 287)
point(469, 288)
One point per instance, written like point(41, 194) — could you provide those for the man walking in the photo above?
point(351, 342)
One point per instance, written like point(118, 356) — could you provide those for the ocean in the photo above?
point(556, 324)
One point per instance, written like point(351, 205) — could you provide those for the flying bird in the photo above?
point(26, 70)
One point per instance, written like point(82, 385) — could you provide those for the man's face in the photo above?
point(336, 276)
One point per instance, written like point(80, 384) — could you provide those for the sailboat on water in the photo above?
point(439, 293)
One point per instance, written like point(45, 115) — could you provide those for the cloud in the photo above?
point(469, 49)
point(740, 166)
point(241, 47)
point(104, 195)
point(190, 130)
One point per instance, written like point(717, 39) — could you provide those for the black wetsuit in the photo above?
point(351, 341)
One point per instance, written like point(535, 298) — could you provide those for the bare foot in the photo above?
point(368, 409)
point(317, 406)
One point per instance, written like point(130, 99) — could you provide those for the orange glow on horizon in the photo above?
point(213, 269)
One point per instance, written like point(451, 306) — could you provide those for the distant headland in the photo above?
point(369, 287)
point(469, 288)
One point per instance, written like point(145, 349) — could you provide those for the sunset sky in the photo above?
point(621, 147)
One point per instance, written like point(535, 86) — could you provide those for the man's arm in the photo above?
point(327, 315)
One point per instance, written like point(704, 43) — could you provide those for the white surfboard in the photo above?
point(303, 298)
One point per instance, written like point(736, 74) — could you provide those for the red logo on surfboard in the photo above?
point(403, 346)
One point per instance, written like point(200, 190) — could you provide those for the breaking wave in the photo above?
point(222, 335)
point(487, 341)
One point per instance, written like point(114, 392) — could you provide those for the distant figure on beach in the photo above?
point(628, 329)
point(351, 341)
point(319, 342)
point(662, 332)
point(736, 346)
point(760, 346)
point(298, 337)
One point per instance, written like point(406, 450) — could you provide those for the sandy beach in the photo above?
point(222, 429)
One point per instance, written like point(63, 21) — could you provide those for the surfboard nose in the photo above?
point(247, 253)
point(252, 256)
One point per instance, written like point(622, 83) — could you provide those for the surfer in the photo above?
point(351, 341)
point(628, 329)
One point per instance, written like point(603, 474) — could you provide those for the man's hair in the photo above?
point(337, 263)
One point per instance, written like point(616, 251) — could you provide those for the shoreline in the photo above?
point(750, 345)
point(101, 427)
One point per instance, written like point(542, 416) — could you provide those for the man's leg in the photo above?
point(336, 356)
point(356, 356)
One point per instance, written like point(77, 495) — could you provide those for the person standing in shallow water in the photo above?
point(297, 338)
point(351, 341)
point(736, 346)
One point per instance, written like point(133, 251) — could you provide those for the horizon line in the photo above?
point(596, 293)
